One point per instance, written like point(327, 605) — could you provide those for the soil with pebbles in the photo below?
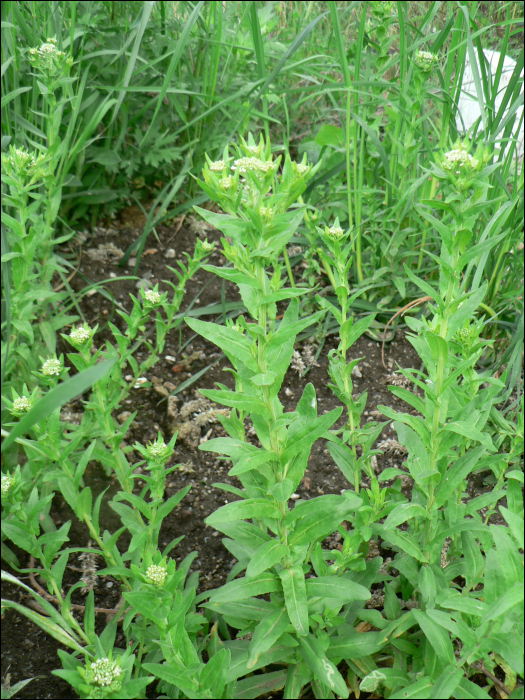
point(27, 652)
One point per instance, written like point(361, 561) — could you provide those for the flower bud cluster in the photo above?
point(104, 673)
point(152, 297)
point(218, 166)
point(81, 334)
point(7, 482)
point(255, 164)
point(51, 367)
point(22, 405)
point(226, 183)
point(22, 165)
point(157, 574)
point(425, 61)
point(157, 450)
point(459, 162)
point(334, 233)
point(48, 59)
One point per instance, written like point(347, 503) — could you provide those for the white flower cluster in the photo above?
point(267, 212)
point(218, 166)
point(238, 328)
point(7, 482)
point(152, 297)
point(226, 182)
point(458, 161)
point(22, 404)
point(425, 60)
point(157, 574)
point(157, 450)
point(245, 164)
point(80, 335)
point(104, 672)
point(51, 367)
point(301, 168)
point(334, 233)
point(254, 150)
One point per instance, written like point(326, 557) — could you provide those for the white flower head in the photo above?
point(226, 183)
point(105, 673)
point(22, 404)
point(152, 297)
point(459, 161)
point(255, 164)
point(157, 574)
point(81, 334)
point(7, 482)
point(301, 168)
point(425, 61)
point(334, 233)
point(218, 166)
point(51, 367)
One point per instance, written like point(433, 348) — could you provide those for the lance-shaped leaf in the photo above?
point(355, 645)
point(456, 473)
point(266, 556)
point(403, 512)
point(246, 588)
point(436, 636)
point(306, 437)
point(295, 598)
point(338, 587)
point(231, 342)
point(267, 633)
point(258, 508)
point(241, 402)
point(313, 653)
point(316, 526)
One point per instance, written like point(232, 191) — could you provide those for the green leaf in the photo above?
point(423, 688)
point(255, 686)
point(330, 135)
point(403, 512)
point(246, 609)
point(231, 342)
point(456, 473)
point(282, 490)
point(267, 633)
point(305, 437)
point(317, 526)
point(401, 540)
point(511, 598)
point(437, 636)
point(266, 556)
point(259, 508)
point(242, 402)
point(215, 672)
point(355, 645)
point(515, 523)
point(314, 656)
point(295, 598)
point(338, 587)
point(246, 588)
point(467, 690)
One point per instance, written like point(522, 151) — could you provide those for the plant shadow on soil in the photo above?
point(26, 650)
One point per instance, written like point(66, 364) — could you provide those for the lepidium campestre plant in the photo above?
point(160, 603)
point(273, 542)
point(465, 574)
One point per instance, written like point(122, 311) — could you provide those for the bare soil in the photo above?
point(26, 650)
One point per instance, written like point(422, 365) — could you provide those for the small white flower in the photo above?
point(80, 335)
point(218, 166)
point(267, 212)
point(104, 672)
point(334, 233)
point(157, 574)
point(458, 161)
point(22, 404)
point(51, 367)
point(425, 60)
point(152, 297)
point(7, 482)
point(301, 168)
point(245, 164)
point(226, 182)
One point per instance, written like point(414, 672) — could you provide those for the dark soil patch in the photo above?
point(27, 651)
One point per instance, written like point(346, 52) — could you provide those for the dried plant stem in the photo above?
point(401, 311)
